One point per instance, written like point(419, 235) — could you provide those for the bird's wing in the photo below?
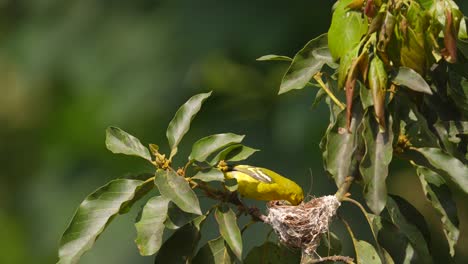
point(255, 173)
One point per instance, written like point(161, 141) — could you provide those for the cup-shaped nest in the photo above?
point(300, 226)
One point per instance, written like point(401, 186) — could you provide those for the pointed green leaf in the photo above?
point(366, 96)
point(235, 152)
point(229, 230)
point(209, 145)
point(93, 215)
point(176, 218)
point(119, 141)
point(346, 29)
point(181, 246)
point(209, 175)
point(176, 188)
point(150, 226)
point(339, 155)
point(304, 65)
point(450, 167)
point(394, 215)
point(374, 165)
point(365, 252)
point(273, 57)
point(438, 194)
point(271, 253)
point(213, 252)
point(180, 124)
point(411, 79)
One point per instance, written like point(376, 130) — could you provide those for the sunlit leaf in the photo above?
point(180, 124)
point(345, 64)
point(93, 216)
point(229, 230)
point(213, 252)
point(209, 175)
point(235, 152)
point(181, 246)
point(378, 85)
point(176, 218)
point(176, 188)
point(119, 141)
point(273, 57)
point(339, 152)
point(450, 167)
point(411, 79)
point(374, 165)
point(150, 226)
point(304, 65)
point(346, 29)
point(271, 253)
point(439, 195)
point(426, 3)
point(209, 145)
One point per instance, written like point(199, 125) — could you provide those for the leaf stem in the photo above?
point(318, 78)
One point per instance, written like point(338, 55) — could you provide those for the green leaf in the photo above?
point(374, 165)
point(209, 145)
point(274, 57)
point(181, 246)
point(450, 167)
point(345, 65)
point(176, 188)
point(176, 218)
point(93, 215)
point(366, 96)
point(346, 29)
point(365, 252)
point(305, 65)
point(119, 141)
point(237, 152)
point(231, 184)
point(411, 232)
point(426, 4)
point(411, 79)
point(339, 152)
point(150, 227)
point(229, 230)
point(378, 85)
point(451, 134)
point(209, 175)
point(271, 253)
point(180, 124)
point(438, 194)
point(213, 252)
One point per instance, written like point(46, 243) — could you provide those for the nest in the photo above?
point(301, 226)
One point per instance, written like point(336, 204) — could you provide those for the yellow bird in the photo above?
point(264, 184)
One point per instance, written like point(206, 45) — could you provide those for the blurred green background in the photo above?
point(69, 69)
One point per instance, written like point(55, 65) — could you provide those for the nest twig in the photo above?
point(300, 226)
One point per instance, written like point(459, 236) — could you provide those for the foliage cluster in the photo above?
point(401, 66)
